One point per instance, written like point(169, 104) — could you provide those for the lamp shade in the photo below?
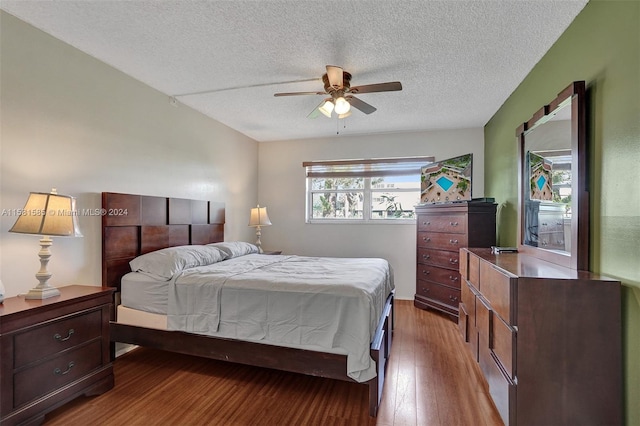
point(342, 106)
point(327, 107)
point(49, 214)
point(259, 217)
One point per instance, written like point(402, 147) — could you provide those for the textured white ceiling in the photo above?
point(458, 61)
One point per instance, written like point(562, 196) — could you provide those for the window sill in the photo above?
point(362, 222)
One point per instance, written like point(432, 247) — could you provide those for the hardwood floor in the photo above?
point(432, 380)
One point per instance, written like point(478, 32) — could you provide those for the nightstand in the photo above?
point(272, 252)
point(52, 351)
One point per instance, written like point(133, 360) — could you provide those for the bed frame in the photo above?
point(136, 224)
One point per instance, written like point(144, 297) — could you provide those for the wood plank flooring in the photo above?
point(432, 380)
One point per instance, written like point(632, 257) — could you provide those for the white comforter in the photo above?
point(331, 304)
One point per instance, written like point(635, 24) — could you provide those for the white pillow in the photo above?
point(236, 248)
point(165, 263)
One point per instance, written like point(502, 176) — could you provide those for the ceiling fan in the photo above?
point(337, 84)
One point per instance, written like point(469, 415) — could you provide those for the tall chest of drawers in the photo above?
point(52, 351)
point(547, 338)
point(442, 229)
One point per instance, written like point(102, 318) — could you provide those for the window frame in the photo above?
point(365, 169)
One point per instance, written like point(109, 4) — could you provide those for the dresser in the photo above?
point(546, 226)
point(551, 226)
point(52, 351)
point(547, 338)
point(442, 229)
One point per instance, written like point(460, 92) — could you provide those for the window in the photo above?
point(372, 190)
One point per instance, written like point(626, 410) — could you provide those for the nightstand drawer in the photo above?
point(40, 342)
point(41, 379)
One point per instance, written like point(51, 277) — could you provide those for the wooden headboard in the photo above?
point(136, 224)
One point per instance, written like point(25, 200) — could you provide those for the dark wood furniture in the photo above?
point(442, 230)
point(435, 378)
point(546, 332)
point(140, 224)
point(547, 338)
point(273, 252)
point(556, 130)
point(52, 351)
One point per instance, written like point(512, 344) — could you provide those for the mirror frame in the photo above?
point(578, 257)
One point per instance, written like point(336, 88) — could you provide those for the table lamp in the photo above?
point(259, 217)
point(49, 215)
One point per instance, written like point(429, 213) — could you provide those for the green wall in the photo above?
point(602, 47)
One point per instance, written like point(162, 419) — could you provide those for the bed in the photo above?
point(136, 227)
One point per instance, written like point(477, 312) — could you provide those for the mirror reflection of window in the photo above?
point(550, 177)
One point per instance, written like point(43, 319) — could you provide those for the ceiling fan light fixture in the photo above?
point(337, 85)
point(342, 106)
point(327, 108)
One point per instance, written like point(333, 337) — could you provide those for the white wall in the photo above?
point(71, 122)
point(281, 188)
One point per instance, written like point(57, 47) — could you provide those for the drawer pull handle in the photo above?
point(426, 239)
point(453, 298)
point(454, 279)
point(426, 223)
point(453, 241)
point(59, 372)
point(453, 261)
point(425, 272)
point(59, 338)
point(426, 256)
point(453, 223)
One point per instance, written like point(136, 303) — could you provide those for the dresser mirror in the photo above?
point(553, 207)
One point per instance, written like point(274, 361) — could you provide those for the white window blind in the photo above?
point(363, 190)
point(400, 166)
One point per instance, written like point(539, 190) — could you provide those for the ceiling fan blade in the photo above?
point(361, 105)
point(298, 93)
point(391, 86)
point(335, 75)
